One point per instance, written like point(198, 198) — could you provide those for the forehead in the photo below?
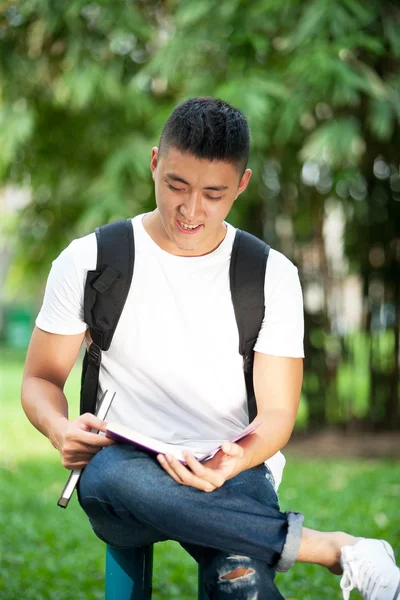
point(193, 169)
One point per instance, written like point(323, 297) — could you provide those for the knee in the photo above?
point(99, 478)
point(117, 475)
point(238, 573)
point(234, 568)
point(232, 576)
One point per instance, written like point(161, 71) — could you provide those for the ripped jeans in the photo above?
point(131, 501)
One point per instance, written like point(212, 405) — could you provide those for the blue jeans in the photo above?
point(131, 501)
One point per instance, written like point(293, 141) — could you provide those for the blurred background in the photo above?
point(85, 88)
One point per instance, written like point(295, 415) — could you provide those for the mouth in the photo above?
point(186, 228)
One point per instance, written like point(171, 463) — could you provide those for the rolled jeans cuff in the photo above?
point(292, 544)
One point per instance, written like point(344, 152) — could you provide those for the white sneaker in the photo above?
point(369, 567)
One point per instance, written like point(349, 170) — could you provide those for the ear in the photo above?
point(154, 161)
point(243, 183)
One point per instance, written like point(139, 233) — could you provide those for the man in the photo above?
point(177, 373)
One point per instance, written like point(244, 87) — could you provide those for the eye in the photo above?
point(175, 189)
point(213, 197)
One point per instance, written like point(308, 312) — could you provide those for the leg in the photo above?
point(324, 548)
point(131, 500)
point(229, 575)
point(367, 565)
point(108, 518)
point(125, 492)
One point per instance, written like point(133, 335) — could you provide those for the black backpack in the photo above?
point(107, 288)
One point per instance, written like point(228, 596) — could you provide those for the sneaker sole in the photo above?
point(397, 593)
point(389, 550)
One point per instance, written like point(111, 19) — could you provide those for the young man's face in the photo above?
point(193, 198)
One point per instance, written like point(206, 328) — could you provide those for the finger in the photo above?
point(93, 422)
point(80, 453)
point(187, 477)
point(196, 466)
point(73, 466)
point(170, 469)
point(79, 461)
point(165, 465)
point(90, 439)
point(232, 449)
point(74, 450)
point(203, 472)
point(77, 464)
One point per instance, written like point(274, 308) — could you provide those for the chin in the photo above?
point(187, 247)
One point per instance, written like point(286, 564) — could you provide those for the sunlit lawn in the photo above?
point(50, 553)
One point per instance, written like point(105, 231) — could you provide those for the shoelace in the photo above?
point(368, 574)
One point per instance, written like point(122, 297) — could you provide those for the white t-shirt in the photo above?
point(174, 361)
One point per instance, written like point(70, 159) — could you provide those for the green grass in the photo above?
point(47, 553)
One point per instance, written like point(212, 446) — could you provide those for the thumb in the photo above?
point(232, 449)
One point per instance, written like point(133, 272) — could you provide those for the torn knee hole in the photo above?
point(237, 573)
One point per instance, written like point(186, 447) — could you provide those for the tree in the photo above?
point(86, 88)
point(76, 116)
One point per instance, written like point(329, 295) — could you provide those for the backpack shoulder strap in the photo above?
point(106, 291)
point(247, 276)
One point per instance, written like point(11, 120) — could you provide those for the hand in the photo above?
point(76, 442)
point(208, 476)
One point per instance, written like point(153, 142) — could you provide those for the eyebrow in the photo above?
point(216, 188)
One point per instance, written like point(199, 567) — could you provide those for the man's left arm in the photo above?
point(277, 386)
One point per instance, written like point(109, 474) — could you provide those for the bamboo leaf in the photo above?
point(335, 143)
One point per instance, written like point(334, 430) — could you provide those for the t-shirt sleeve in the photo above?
point(62, 308)
point(282, 330)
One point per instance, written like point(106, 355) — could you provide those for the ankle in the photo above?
point(324, 548)
point(337, 540)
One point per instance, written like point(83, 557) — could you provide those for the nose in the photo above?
point(191, 208)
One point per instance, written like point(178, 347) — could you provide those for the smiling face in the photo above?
point(193, 197)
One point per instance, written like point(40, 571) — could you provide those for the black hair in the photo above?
point(208, 128)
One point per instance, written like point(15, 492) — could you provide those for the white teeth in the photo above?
point(187, 226)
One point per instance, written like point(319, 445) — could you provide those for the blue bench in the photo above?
point(129, 574)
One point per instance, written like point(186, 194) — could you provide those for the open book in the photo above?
point(123, 434)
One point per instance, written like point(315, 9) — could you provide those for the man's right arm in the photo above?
point(49, 361)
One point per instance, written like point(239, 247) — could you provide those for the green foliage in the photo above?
point(75, 117)
point(86, 87)
point(337, 142)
